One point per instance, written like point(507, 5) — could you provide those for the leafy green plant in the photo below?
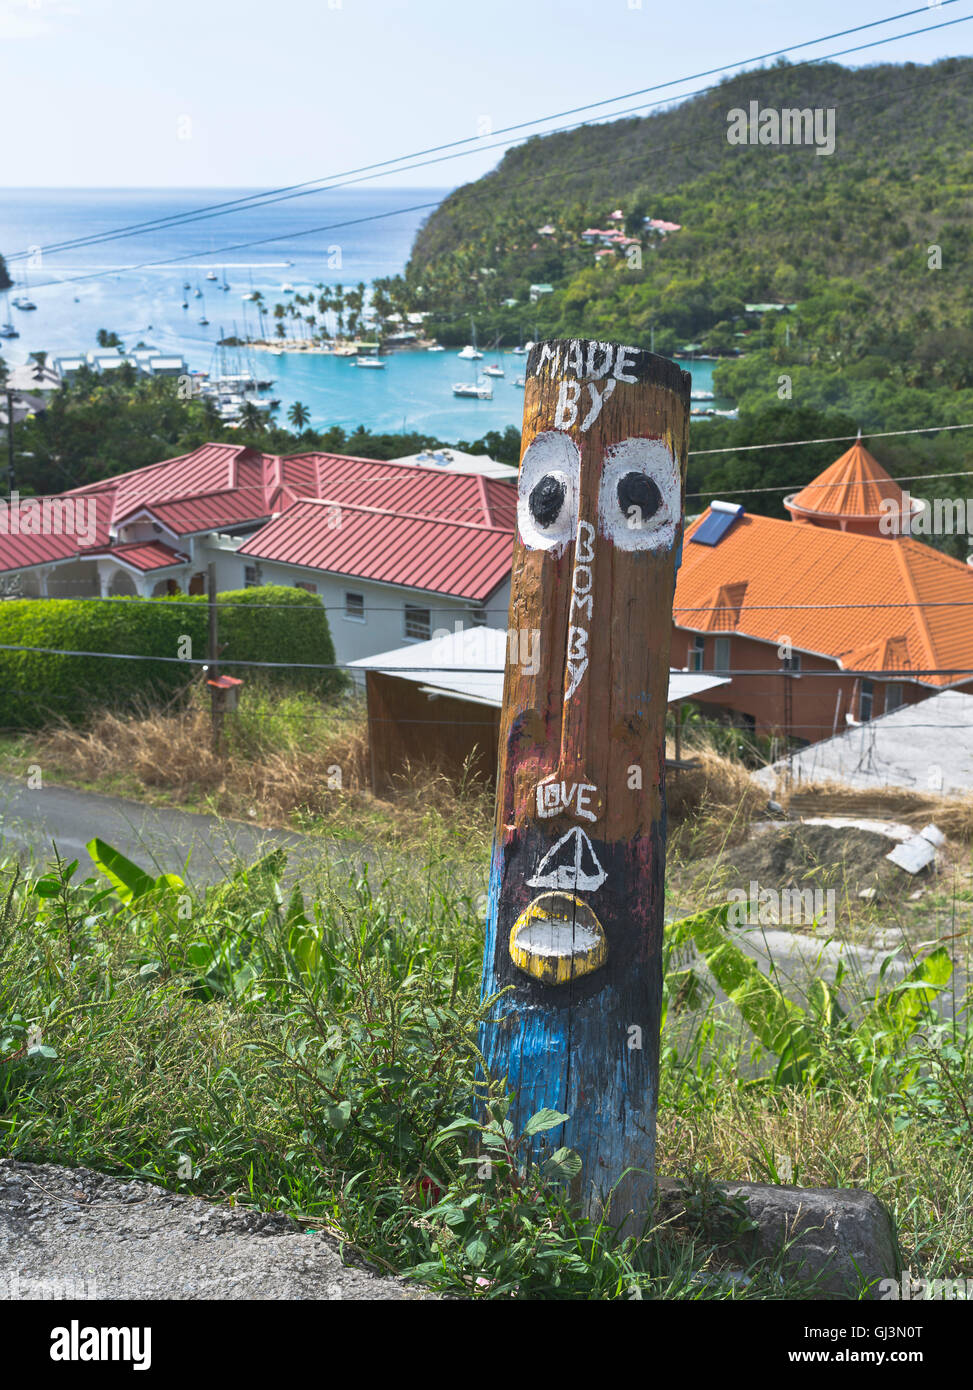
point(804, 1040)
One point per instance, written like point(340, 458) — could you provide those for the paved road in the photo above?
point(70, 1233)
point(201, 848)
point(204, 849)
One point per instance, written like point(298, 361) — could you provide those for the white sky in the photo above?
point(258, 93)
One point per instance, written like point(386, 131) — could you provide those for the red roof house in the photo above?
point(395, 550)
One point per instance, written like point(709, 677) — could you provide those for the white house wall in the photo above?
point(384, 625)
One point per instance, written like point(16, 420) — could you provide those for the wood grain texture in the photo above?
point(574, 929)
point(408, 730)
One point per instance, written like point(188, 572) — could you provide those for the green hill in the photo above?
point(882, 331)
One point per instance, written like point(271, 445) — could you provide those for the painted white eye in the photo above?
point(639, 500)
point(547, 492)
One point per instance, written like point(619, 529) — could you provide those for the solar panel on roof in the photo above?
point(715, 527)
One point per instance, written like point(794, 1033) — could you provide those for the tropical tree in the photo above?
point(252, 418)
point(299, 415)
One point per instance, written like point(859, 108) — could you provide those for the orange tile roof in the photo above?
point(853, 486)
point(784, 565)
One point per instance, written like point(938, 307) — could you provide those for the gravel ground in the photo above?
point(71, 1233)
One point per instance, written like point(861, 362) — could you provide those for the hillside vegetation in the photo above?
point(881, 335)
point(759, 222)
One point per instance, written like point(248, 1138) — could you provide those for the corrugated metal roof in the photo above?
point(143, 555)
point(228, 485)
point(471, 664)
point(785, 566)
point(465, 559)
point(18, 551)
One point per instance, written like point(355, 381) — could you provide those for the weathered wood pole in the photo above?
point(576, 890)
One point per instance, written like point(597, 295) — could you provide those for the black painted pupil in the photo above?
point(639, 491)
point(547, 499)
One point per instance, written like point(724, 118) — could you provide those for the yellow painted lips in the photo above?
point(558, 938)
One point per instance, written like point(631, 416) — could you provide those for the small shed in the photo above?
point(438, 702)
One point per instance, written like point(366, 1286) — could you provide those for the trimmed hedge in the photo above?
point(264, 624)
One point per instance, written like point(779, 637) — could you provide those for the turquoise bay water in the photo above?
point(414, 392)
point(81, 289)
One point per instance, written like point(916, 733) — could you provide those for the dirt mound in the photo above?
point(796, 855)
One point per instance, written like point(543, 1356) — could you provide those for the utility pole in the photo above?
point(10, 445)
point(575, 919)
point(213, 657)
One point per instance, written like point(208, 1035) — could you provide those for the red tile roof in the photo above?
point(785, 566)
point(853, 486)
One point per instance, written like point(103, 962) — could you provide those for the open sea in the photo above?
point(134, 287)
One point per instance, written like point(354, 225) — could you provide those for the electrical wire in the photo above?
point(909, 673)
point(421, 207)
point(287, 190)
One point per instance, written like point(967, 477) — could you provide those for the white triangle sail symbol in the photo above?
point(571, 865)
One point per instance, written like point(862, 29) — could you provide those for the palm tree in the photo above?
point(251, 418)
point(299, 415)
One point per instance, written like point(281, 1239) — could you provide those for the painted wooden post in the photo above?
point(574, 929)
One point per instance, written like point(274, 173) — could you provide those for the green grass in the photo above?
point(315, 1055)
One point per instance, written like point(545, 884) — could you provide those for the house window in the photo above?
point(478, 617)
point(792, 662)
point(306, 585)
point(865, 700)
point(355, 608)
point(251, 576)
point(721, 655)
point(418, 623)
point(197, 585)
point(893, 696)
point(696, 653)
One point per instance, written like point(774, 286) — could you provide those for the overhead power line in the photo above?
point(286, 191)
point(532, 179)
point(904, 673)
point(297, 233)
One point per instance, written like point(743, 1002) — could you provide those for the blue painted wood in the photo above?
point(575, 920)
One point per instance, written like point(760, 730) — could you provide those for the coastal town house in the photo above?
point(823, 620)
point(395, 551)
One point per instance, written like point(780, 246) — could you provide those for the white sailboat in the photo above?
point(24, 301)
point(475, 390)
point(494, 369)
point(7, 329)
point(471, 353)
